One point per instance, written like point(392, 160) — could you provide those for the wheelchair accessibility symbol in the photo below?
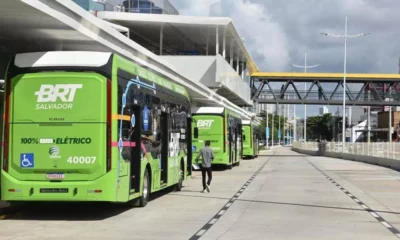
point(27, 160)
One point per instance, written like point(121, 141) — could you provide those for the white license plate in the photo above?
point(55, 176)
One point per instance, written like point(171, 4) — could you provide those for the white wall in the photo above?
point(228, 77)
point(197, 68)
point(212, 71)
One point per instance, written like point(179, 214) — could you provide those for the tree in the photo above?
point(325, 127)
point(263, 125)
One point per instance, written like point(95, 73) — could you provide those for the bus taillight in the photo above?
point(109, 124)
point(6, 126)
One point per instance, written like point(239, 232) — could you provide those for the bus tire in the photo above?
point(229, 166)
point(146, 190)
point(178, 186)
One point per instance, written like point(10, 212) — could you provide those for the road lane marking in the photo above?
point(394, 230)
point(225, 208)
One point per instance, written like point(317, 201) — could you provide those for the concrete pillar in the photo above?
point(238, 60)
point(60, 46)
point(207, 42)
point(390, 116)
point(244, 70)
point(369, 118)
point(224, 44)
point(369, 124)
point(231, 54)
point(216, 41)
point(390, 124)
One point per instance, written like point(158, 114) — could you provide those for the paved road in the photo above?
point(282, 195)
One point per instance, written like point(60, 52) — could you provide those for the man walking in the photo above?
point(207, 155)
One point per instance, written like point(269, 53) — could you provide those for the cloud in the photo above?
point(194, 8)
point(264, 36)
point(304, 20)
point(278, 33)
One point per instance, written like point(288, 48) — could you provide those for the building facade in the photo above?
point(133, 6)
point(323, 110)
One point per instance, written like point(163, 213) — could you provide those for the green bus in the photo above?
point(91, 126)
point(250, 141)
point(223, 128)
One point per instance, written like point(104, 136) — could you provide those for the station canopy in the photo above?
point(186, 35)
point(36, 26)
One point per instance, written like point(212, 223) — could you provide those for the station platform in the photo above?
point(279, 195)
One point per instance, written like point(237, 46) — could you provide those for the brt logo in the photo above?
point(50, 93)
point(204, 123)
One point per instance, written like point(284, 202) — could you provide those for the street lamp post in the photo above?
point(305, 92)
point(272, 130)
point(267, 137)
point(279, 126)
point(345, 36)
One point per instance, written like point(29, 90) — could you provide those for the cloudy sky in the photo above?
point(278, 33)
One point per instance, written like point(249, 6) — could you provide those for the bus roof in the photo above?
point(253, 122)
point(61, 58)
point(208, 110)
point(90, 59)
point(214, 111)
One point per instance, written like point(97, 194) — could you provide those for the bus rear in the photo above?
point(210, 127)
point(248, 150)
point(56, 146)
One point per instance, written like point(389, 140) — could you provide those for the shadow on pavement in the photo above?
point(74, 211)
point(217, 168)
point(63, 211)
point(288, 204)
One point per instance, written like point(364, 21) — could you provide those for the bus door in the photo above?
point(236, 145)
point(230, 145)
point(136, 156)
point(164, 147)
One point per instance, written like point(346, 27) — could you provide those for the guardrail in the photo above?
point(151, 6)
point(378, 153)
point(373, 149)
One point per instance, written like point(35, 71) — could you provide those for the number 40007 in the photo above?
point(81, 160)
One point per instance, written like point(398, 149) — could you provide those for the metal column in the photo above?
point(161, 39)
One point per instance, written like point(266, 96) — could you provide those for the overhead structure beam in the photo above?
point(380, 89)
point(330, 102)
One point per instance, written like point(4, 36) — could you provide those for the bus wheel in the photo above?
point(146, 189)
point(178, 186)
point(238, 164)
point(229, 166)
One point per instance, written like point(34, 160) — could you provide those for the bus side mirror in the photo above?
point(196, 132)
